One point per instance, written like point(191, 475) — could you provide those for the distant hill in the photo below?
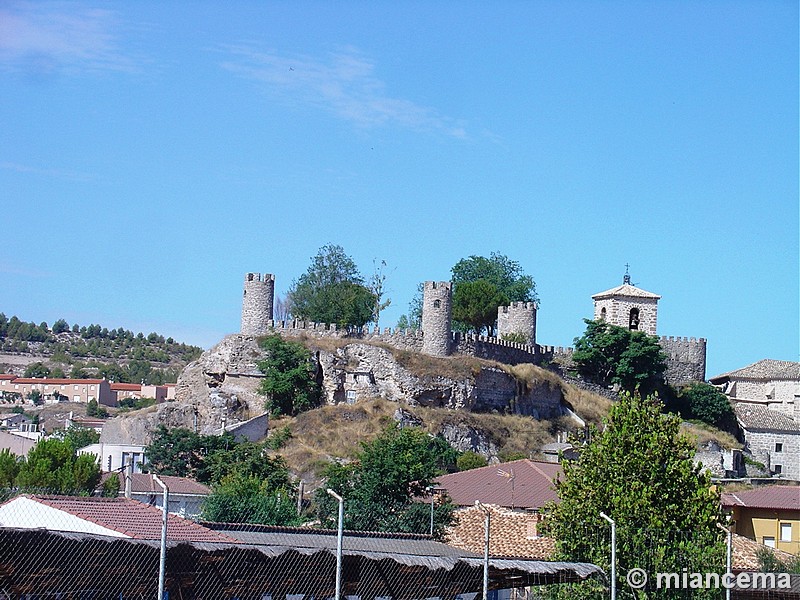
point(76, 351)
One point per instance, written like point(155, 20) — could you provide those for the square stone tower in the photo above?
point(628, 306)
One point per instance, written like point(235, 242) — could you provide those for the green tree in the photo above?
point(475, 305)
point(639, 470)
point(705, 402)
point(470, 460)
point(93, 409)
point(332, 291)
point(509, 281)
point(80, 437)
point(60, 326)
point(9, 467)
point(240, 498)
point(38, 370)
point(35, 396)
point(608, 354)
point(53, 466)
point(289, 381)
point(184, 453)
point(381, 486)
point(111, 486)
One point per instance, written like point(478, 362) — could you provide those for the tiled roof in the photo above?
point(126, 387)
point(745, 554)
point(766, 369)
point(754, 416)
point(516, 484)
point(626, 290)
point(143, 483)
point(511, 533)
point(132, 518)
point(776, 497)
point(45, 381)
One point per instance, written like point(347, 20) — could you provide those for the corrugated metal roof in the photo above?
point(776, 497)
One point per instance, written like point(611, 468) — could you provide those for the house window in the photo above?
point(75, 387)
point(786, 532)
point(777, 469)
point(768, 541)
point(778, 447)
point(437, 304)
point(350, 395)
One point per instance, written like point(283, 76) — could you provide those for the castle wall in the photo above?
point(618, 310)
point(517, 318)
point(437, 306)
point(257, 303)
point(492, 348)
point(686, 359)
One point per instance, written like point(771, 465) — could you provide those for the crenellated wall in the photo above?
point(519, 319)
point(257, 303)
point(686, 358)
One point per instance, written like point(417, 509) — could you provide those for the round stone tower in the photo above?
point(437, 306)
point(259, 294)
point(517, 319)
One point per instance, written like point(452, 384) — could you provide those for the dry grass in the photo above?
point(452, 367)
point(701, 434)
point(328, 432)
point(590, 407)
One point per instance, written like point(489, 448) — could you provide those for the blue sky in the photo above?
point(152, 153)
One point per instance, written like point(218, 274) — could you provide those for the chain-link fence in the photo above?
point(59, 547)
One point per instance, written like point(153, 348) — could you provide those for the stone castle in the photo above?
point(626, 305)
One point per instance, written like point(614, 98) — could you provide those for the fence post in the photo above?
point(339, 533)
point(613, 555)
point(728, 556)
point(486, 525)
point(163, 557)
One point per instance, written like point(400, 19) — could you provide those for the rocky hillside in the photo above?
point(78, 351)
point(492, 409)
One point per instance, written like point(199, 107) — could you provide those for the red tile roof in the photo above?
point(131, 518)
point(516, 484)
point(777, 497)
point(46, 381)
point(126, 387)
point(5, 376)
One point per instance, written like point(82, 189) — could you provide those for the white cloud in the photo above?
point(44, 38)
point(345, 84)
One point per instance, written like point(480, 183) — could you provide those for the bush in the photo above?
point(470, 460)
point(705, 403)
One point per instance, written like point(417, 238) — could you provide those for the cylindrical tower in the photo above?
point(518, 320)
point(259, 294)
point(437, 307)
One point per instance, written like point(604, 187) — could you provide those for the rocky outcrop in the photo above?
point(217, 390)
point(220, 389)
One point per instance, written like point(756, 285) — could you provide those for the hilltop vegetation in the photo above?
point(93, 351)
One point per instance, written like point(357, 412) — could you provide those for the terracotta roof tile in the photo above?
point(626, 290)
point(530, 486)
point(754, 416)
point(131, 518)
point(512, 533)
point(745, 552)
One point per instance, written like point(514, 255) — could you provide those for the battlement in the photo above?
point(266, 277)
point(522, 306)
point(669, 339)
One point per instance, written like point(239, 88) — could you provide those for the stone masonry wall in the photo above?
point(761, 444)
point(257, 303)
point(517, 318)
point(618, 311)
point(437, 306)
point(686, 359)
